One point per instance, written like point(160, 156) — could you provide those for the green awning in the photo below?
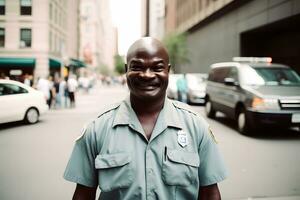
point(54, 63)
point(17, 62)
point(77, 63)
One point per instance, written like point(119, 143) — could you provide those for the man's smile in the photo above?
point(146, 85)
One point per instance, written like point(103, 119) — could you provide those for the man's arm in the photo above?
point(84, 193)
point(210, 192)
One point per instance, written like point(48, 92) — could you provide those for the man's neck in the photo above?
point(146, 107)
point(147, 112)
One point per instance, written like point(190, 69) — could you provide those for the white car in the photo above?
point(196, 83)
point(20, 102)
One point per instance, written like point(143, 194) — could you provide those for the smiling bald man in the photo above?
point(147, 146)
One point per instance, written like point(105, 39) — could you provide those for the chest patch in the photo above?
point(182, 138)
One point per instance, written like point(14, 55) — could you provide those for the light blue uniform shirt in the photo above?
point(114, 153)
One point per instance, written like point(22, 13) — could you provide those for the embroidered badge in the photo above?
point(182, 138)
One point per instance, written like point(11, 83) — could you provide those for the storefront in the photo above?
point(16, 68)
point(54, 67)
point(75, 65)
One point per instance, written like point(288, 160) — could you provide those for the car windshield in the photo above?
point(196, 81)
point(270, 76)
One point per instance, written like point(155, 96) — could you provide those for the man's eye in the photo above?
point(136, 68)
point(159, 68)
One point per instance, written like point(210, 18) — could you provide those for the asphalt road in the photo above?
point(33, 157)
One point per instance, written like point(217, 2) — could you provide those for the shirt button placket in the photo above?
point(149, 176)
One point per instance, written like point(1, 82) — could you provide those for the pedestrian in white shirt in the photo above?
point(43, 85)
point(72, 86)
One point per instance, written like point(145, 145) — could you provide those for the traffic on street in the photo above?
point(34, 157)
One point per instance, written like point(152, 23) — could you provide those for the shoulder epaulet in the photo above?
point(108, 108)
point(184, 106)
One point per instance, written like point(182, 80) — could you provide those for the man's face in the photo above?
point(148, 74)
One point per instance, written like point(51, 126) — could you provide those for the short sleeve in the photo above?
point(81, 166)
point(212, 168)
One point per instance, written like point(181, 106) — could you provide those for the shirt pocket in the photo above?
point(180, 168)
point(114, 171)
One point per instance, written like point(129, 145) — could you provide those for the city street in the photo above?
point(33, 157)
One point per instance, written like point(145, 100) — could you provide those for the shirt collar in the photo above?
point(168, 116)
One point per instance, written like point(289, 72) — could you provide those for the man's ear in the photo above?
point(126, 68)
point(169, 67)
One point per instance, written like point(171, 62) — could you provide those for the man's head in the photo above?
point(147, 69)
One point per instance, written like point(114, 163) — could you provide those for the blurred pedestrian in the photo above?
point(72, 87)
point(3, 76)
point(85, 83)
point(182, 89)
point(52, 93)
point(43, 85)
point(57, 92)
point(27, 80)
point(147, 146)
point(64, 93)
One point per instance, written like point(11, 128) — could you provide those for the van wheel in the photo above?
point(209, 110)
point(243, 122)
point(31, 116)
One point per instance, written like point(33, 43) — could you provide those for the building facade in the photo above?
point(157, 18)
point(98, 36)
point(221, 29)
point(145, 17)
point(37, 36)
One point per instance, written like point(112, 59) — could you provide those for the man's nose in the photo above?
point(148, 74)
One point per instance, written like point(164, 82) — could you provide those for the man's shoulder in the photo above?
point(187, 110)
point(109, 109)
point(184, 107)
point(191, 118)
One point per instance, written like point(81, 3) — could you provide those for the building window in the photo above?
point(2, 37)
point(58, 18)
point(25, 40)
point(57, 44)
point(2, 7)
point(50, 41)
point(200, 5)
point(50, 11)
point(55, 16)
point(25, 7)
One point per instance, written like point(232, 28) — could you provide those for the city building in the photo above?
point(157, 18)
point(98, 36)
point(221, 29)
point(37, 37)
point(145, 17)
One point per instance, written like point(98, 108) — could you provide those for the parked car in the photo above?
point(172, 87)
point(20, 102)
point(196, 83)
point(254, 92)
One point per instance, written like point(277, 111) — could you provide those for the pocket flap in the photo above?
point(183, 157)
point(112, 160)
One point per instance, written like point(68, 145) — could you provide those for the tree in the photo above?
point(119, 64)
point(177, 47)
point(103, 69)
